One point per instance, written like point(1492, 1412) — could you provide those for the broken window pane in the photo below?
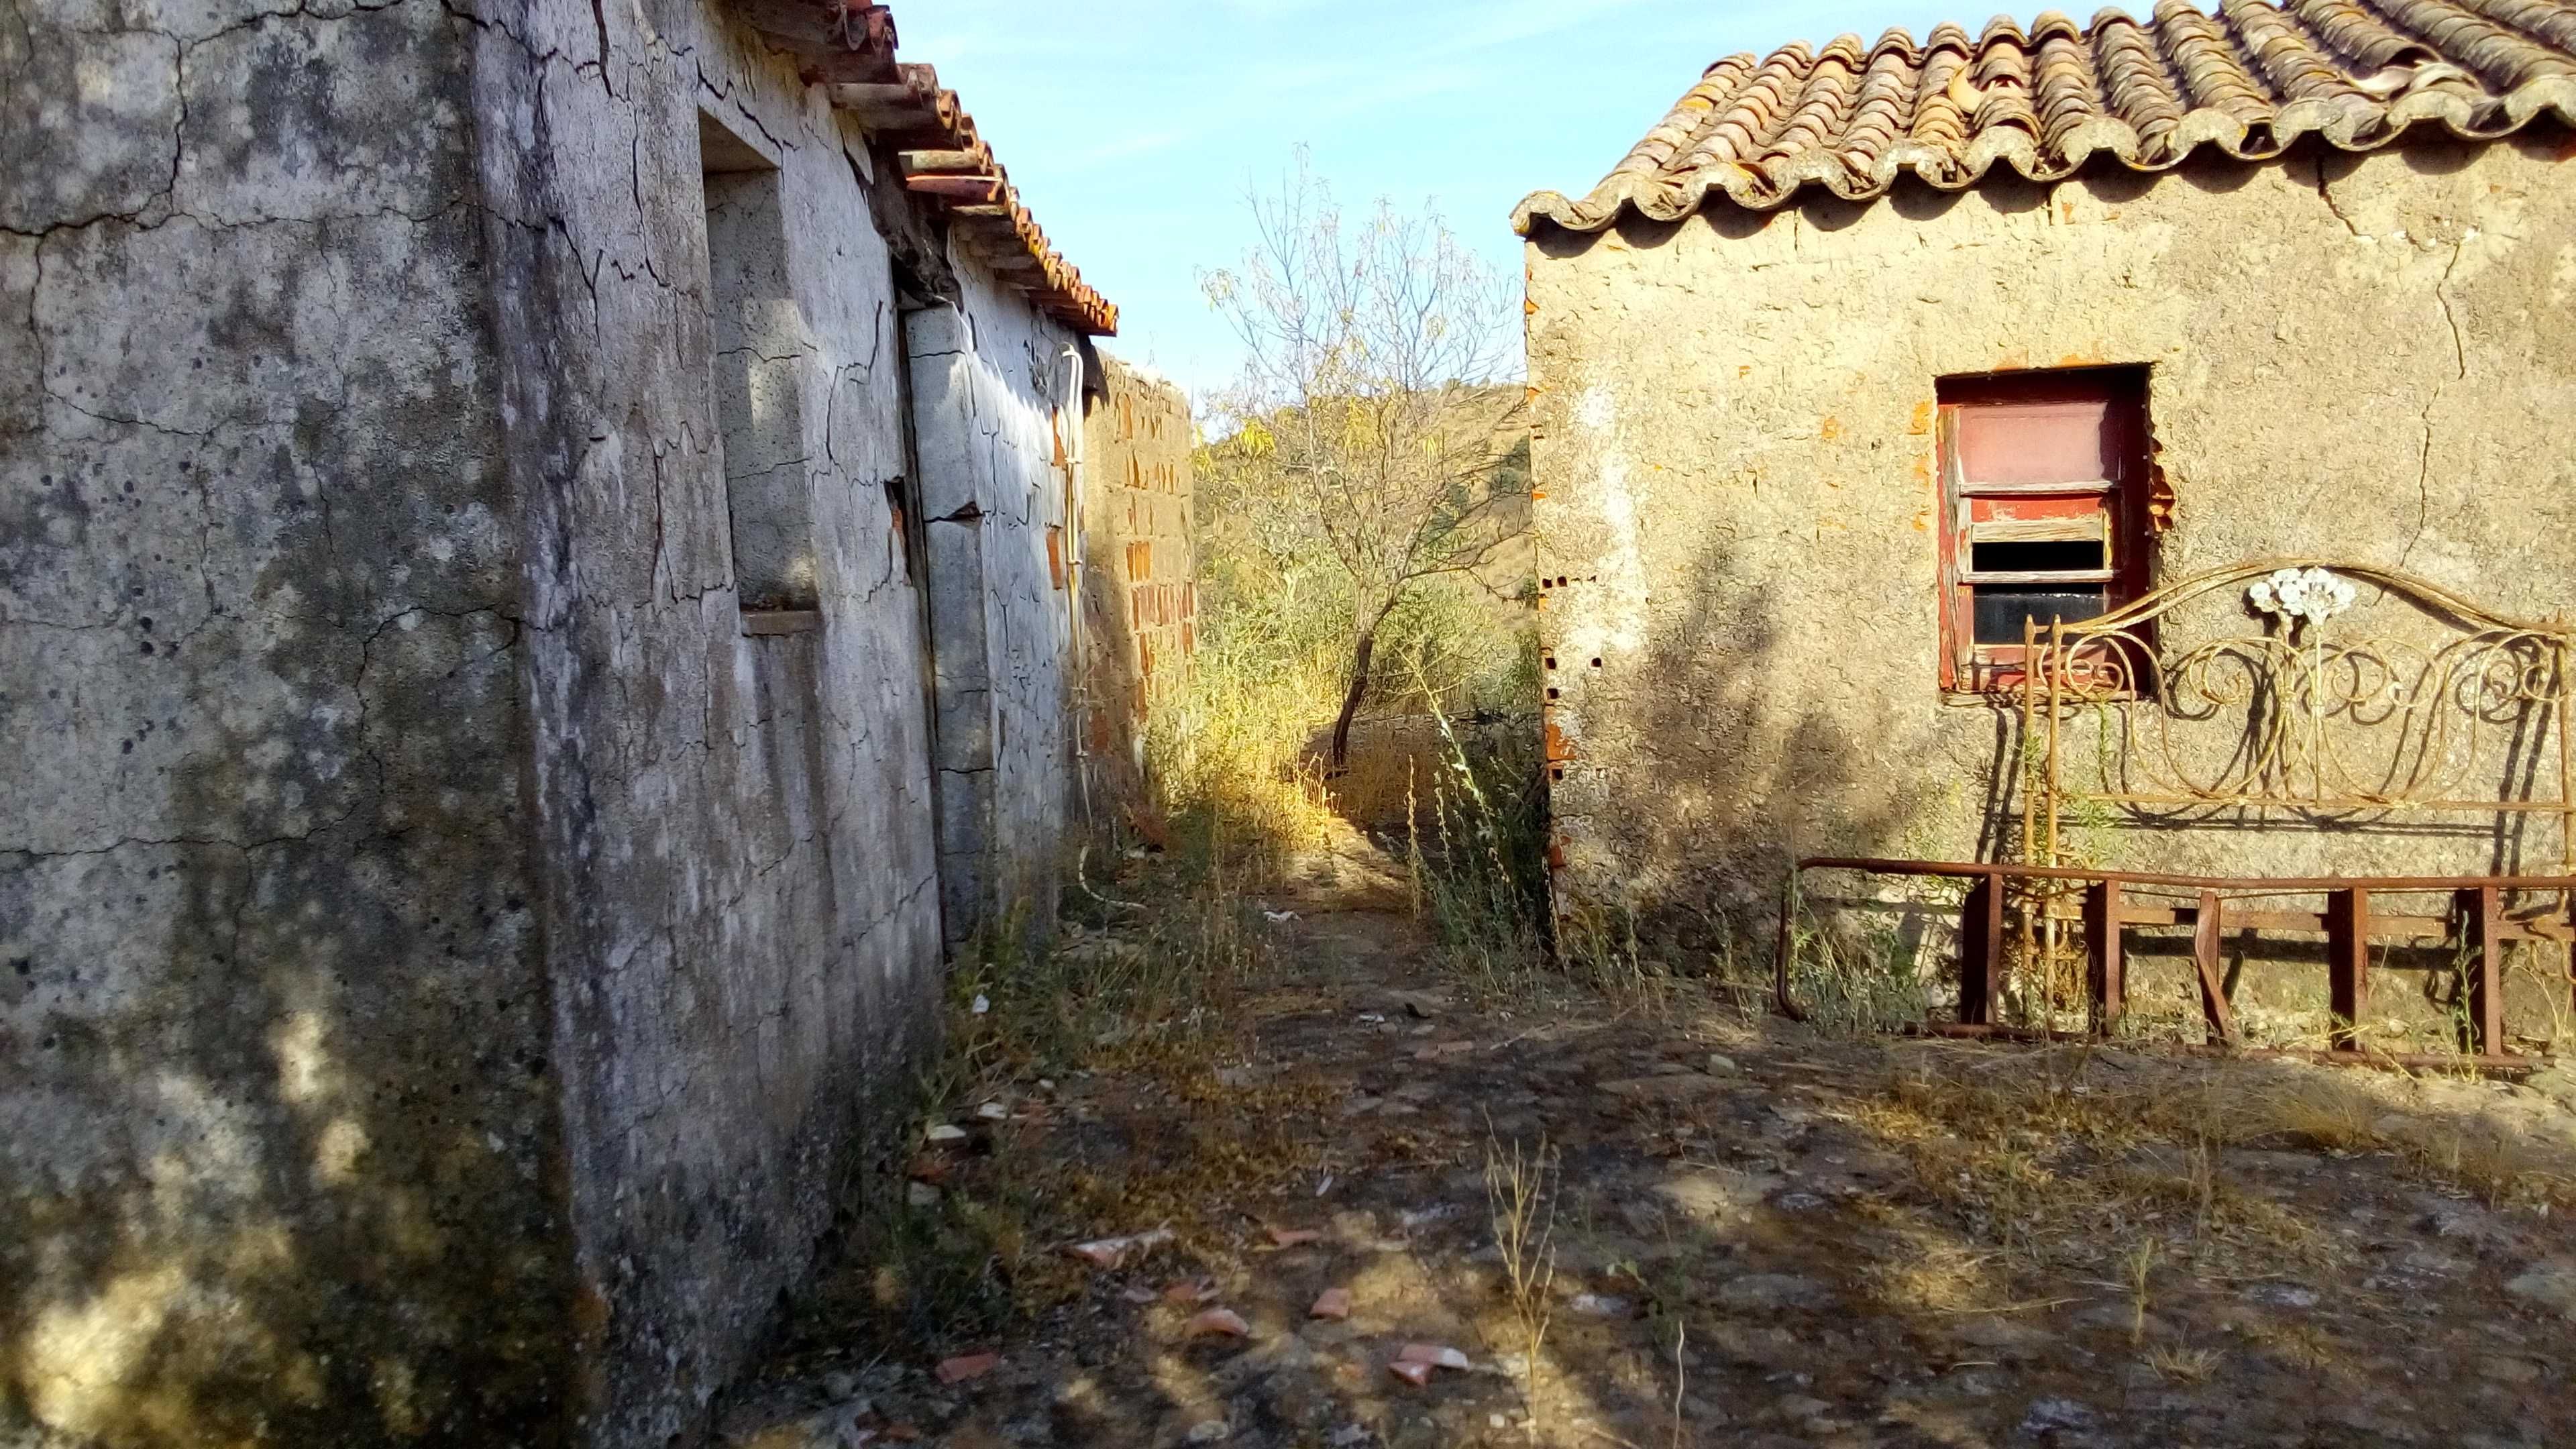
point(2000, 611)
point(2022, 557)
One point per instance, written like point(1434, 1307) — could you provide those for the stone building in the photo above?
point(2163, 295)
point(531, 600)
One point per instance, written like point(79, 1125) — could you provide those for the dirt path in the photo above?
point(1756, 1235)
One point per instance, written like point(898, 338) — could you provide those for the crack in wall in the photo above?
point(2327, 195)
point(2460, 361)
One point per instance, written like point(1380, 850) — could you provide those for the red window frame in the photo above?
point(2048, 457)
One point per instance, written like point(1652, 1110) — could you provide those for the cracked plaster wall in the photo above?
point(988, 376)
point(453, 966)
point(2360, 357)
point(743, 902)
point(279, 1142)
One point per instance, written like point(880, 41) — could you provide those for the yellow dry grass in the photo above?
point(2181, 1365)
point(2059, 1160)
point(1937, 1277)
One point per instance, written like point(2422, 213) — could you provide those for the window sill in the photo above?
point(760, 623)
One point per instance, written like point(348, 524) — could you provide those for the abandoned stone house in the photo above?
point(538, 549)
point(1868, 356)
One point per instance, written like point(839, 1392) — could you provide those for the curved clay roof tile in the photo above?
point(2136, 86)
point(2066, 93)
point(1881, 111)
point(2502, 58)
point(2285, 55)
point(2004, 59)
point(1850, 49)
point(2212, 76)
point(1897, 39)
point(2051, 23)
point(2551, 21)
point(2249, 81)
point(1940, 122)
point(2361, 41)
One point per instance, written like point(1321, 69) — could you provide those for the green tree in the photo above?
point(1367, 424)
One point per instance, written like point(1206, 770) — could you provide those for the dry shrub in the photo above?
point(2327, 1113)
point(1228, 750)
point(1521, 1200)
point(1477, 848)
point(1393, 759)
point(1936, 1277)
point(2181, 1365)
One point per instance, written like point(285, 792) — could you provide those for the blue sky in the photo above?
point(1133, 127)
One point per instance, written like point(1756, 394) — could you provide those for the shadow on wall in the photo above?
point(1739, 758)
point(281, 1159)
point(1116, 800)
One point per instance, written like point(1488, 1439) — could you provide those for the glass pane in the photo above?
point(2000, 611)
point(2061, 556)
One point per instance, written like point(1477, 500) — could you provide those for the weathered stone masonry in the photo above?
point(451, 947)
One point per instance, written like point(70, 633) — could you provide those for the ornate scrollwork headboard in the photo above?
point(2256, 688)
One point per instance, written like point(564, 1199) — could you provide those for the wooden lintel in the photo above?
point(964, 188)
point(877, 96)
point(917, 163)
point(830, 66)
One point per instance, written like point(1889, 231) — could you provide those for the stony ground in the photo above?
point(1650, 1219)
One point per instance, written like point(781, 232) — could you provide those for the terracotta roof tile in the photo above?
point(2249, 80)
point(847, 47)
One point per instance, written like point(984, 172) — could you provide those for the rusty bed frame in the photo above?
point(2307, 728)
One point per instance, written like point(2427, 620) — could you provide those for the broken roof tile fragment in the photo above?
point(2250, 80)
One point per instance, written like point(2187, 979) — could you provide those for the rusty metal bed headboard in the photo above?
point(2281, 710)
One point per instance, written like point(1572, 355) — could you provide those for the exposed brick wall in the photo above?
point(1139, 585)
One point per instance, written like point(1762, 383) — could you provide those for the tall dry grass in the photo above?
point(1229, 753)
point(1476, 838)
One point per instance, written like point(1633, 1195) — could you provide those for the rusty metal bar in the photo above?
point(2347, 963)
point(2266, 885)
point(2028, 787)
point(2205, 930)
point(2502, 1064)
point(2383, 925)
point(2102, 919)
point(1981, 951)
point(1781, 996)
point(2481, 932)
point(2333, 804)
point(2348, 924)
